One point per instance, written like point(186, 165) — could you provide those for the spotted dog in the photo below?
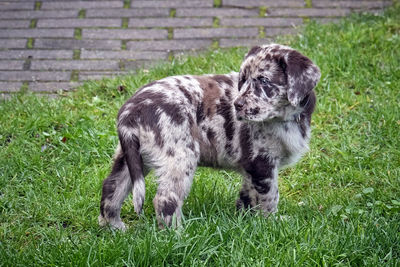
point(255, 121)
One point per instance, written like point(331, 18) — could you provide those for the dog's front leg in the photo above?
point(267, 189)
point(248, 196)
point(262, 185)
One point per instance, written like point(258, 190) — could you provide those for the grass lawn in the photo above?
point(339, 206)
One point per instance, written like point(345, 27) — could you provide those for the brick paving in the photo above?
point(51, 45)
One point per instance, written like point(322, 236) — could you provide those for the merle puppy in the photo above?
point(255, 121)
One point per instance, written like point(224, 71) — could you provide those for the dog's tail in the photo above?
point(130, 147)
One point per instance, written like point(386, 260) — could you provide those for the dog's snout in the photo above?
point(239, 104)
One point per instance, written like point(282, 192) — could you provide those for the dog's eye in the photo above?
point(266, 85)
point(263, 80)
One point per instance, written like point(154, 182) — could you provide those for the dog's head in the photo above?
point(273, 82)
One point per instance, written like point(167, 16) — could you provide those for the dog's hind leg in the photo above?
point(175, 178)
point(115, 189)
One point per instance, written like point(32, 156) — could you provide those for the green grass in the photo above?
point(339, 206)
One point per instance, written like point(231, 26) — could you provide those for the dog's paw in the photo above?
point(115, 225)
point(102, 221)
point(119, 225)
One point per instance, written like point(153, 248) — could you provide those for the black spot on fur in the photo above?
point(186, 93)
point(285, 127)
point(261, 172)
point(191, 146)
point(224, 108)
point(228, 95)
point(261, 167)
point(262, 186)
point(229, 148)
point(245, 144)
point(170, 152)
point(111, 212)
point(200, 116)
point(255, 111)
point(169, 207)
point(242, 79)
point(257, 91)
point(245, 200)
point(210, 134)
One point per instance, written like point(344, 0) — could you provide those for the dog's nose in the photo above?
point(239, 104)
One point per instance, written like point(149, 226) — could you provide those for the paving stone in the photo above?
point(172, 3)
point(125, 54)
point(129, 13)
point(351, 4)
point(77, 44)
point(124, 34)
point(267, 3)
point(216, 12)
point(52, 86)
point(13, 43)
point(271, 22)
point(75, 65)
point(17, 6)
point(81, 4)
point(13, 24)
point(326, 20)
point(137, 64)
point(36, 14)
point(48, 95)
point(98, 75)
point(35, 76)
point(225, 42)
point(5, 96)
point(375, 11)
point(11, 64)
point(215, 33)
point(171, 22)
point(34, 33)
point(10, 86)
point(168, 45)
point(280, 31)
point(78, 23)
point(309, 12)
point(36, 54)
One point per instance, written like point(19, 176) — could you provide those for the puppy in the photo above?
point(255, 121)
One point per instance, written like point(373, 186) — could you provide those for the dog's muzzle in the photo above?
point(239, 104)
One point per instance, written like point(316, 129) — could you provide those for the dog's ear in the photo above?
point(303, 75)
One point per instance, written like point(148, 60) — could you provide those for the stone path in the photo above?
point(47, 45)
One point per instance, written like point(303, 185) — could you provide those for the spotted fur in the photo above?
point(255, 121)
